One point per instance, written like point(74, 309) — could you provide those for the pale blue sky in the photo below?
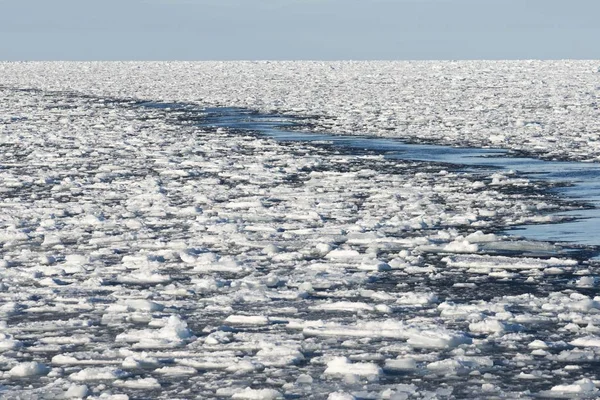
point(298, 29)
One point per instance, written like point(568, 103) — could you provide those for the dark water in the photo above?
point(582, 179)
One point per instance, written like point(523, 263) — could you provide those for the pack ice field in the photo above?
point(256, 230)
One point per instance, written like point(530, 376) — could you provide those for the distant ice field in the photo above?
point(574, 181)
point(146, 252)
point(548, 108)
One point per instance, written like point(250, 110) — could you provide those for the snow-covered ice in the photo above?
point(545, 107)
point(144, 254)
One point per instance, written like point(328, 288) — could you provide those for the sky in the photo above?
point(298, 29)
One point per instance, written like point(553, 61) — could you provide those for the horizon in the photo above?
point(306, 60)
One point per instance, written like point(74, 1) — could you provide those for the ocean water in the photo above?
point(575, 181)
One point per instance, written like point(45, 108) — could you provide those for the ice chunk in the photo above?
point(143, 305)
point(401, 364)
point(8, 343)
point(437, 339)
point(340, 396)
point(461, 246)
point(582, 386)
point(142, 383)
point(178, 370)
point(32, 368)
point(344, 306)
point(416, 298)
point(98, 374)
point(489, 325)
point(247, 320)
point(77, 391)
point(343, 366)
point(587, 341)
point(343, 255)
point(144, 277)
point(172, 334)
point(257, 394)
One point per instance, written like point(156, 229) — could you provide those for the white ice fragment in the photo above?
point(401, 364)
point(373, 265)
point(31, 368)
point(11, 308)
point(142, 384)
point(489, 325)
point(340, 396)
point(52, 282)
point(46, 259)
point(582, 386)
point(469, 285)
point(585, 305)
point(244, 366)
point(587, 341)
point(480, 237)
point(485, 262)
point(343, 255)
point(271, 249)
point(92, 220)
point(554, 271)
point(172, 334)
point(51, 240)
point(304, 379)
point(279, 356)
point(398, 263)
point(131, 362)
point(343, 306)
point(76, 260)
point(247, 320)
point(98, 374)
point(461, 246)
point(133, 224)
point(218, 337)
point(417, 337)
point(488, 387)
point(538, 344)
point(73, 339)
point(417, 299)
point(323, 248)
point(257, 394)
point(432, 339)
point(448, 366)
point(343, 366)
point(143, 305)
point(532, 375)
point(77, 391)
point(62, 359)
point(586, 281)
point(245, 205)
point(210, 262)
point(8, 343)
point(144, 277)
point(177, 370)
point(383, 308)
point(539, 353)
